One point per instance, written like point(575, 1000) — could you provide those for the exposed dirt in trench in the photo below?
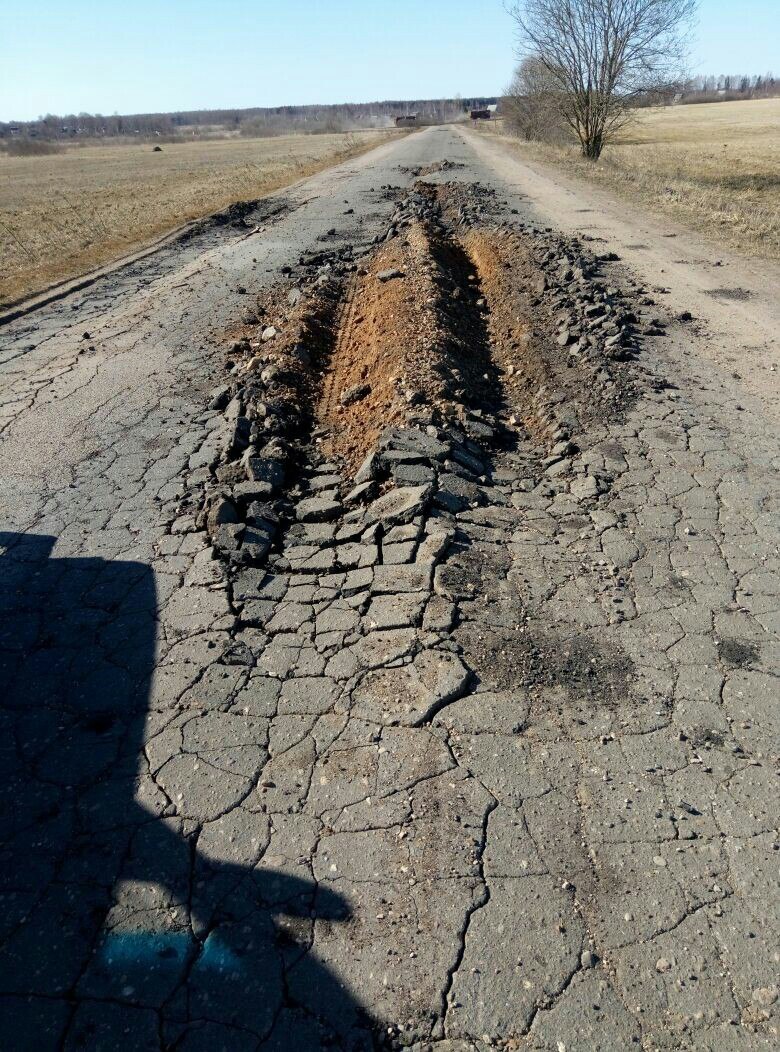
point(451, 312)
point(415, 341)
point(385, 350)
point(451, 318)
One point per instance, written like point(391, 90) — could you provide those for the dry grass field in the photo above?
point(65, 214)
point(715, 166)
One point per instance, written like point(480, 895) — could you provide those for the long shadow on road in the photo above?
point(115, 932)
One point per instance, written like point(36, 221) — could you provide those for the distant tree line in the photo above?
point(729, 87)
point(277, 120)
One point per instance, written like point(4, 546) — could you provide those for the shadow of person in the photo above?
point(118, 929)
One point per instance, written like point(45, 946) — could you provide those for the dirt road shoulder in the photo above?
point(732, 300)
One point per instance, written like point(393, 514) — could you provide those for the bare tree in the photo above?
point(604, 54)
point(533, 104)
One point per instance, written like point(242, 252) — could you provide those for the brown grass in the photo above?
point(61, 216)
point(715, 166)
point(30, 148)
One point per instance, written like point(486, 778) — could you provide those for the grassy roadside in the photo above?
point(715, 167)
point(65, 214)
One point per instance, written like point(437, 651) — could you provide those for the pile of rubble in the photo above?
point(581, 337)
point(264, 412)
point(593, 321)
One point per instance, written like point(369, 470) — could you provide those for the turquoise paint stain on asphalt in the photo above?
point(153, 950)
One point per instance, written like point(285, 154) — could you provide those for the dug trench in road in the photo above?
point(475, 756)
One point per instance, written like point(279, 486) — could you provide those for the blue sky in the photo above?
point(162, 55)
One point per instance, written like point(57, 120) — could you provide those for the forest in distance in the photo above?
point(254, 121)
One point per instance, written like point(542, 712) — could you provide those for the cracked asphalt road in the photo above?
point(333, 807)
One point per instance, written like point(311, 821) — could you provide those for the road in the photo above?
point(490, 771)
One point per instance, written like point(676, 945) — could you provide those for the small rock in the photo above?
point(263, 517)
point(359, 492)
point(355, 393)
point(588, 959)
point(263, 469)
point(398, 505)
point(238, 653)
point(388, 275)
point(367, 469)
point(228, 536)
point(220, 397)
point(230, 474)
point(222, 511)
point(255, 544)
point(253, 490)
point(689, 808)
point(317, 509)
point(565, 448)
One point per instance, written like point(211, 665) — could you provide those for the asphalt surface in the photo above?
point(200, 853)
